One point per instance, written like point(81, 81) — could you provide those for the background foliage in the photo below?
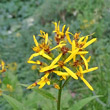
point(20, 19)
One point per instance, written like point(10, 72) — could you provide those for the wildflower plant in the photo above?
point(70, 60)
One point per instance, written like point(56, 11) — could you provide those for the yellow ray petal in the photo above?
point(41, 52)
point(3, 65)
point(88, 60)
point(59, 73)
point(63, 28)
point(69, 51)
point(73, 45)
point(62, 42)
point(42, 85)
point(56, 59)
point(35, 41)
point(33, 55)
point(85, 61)
point(71, 56)
point(31, 86)
point(87, 84)
point(82, 52)
point(70, 33)
point(46, 75)
point(46, 56)
point(45, 69)
point(89, 42)
point(46, 39)
point(58, 26)
point(64, 77)
point(85, 40)
point(70, 72)
point(48, 68)
point(89, 70)
point(48, 82)
point(74, 58)
point(80, 40)
point(33, 62)
point(60, 45)
point(38, 62)
point(80, 69)
point(67, 36)
point(55, 25)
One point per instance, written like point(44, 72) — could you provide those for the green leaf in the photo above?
point(79, 105)
point(14, 103)
point(24, 85)
point(45, 93)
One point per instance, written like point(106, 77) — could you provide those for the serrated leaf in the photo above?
point(79, 105)
point(45, 93)
point(14, 103)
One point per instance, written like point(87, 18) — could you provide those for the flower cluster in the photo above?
point(2, 67)
point(66, 59)
point(2, 70)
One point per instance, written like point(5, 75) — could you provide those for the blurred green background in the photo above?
point(20, 19)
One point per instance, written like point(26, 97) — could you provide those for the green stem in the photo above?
point(59, 96)
point(66, 82)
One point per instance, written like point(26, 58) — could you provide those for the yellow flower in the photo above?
point(81, 72)
point(33, 67)
point(10, 88)
point(68, 36)
point(60, 64)
point(59, 35)
point(56, 86)
point(82, 42)
point(73, 52)
point(32, 85)
point(61, 44)
point(44, 80)
point(44, 35)
point(18, 34)
point(77, 48)
point(2, 66)
point(39, 51)
point(57, 29)
point(12, 66)
point(35, 62)
point(68, 55)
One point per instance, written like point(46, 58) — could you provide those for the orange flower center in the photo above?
point(76, 36)
point(36, 49)
point(61, 63)
point(79, 74)
point(45, 47)
point(64, 50)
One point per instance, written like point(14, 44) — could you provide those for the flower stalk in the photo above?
point(59, 96)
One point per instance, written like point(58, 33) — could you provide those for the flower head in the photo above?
point(56, 86)
point(80, 73)
point(44, 80)
point(32, 85)
point(2, 66)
